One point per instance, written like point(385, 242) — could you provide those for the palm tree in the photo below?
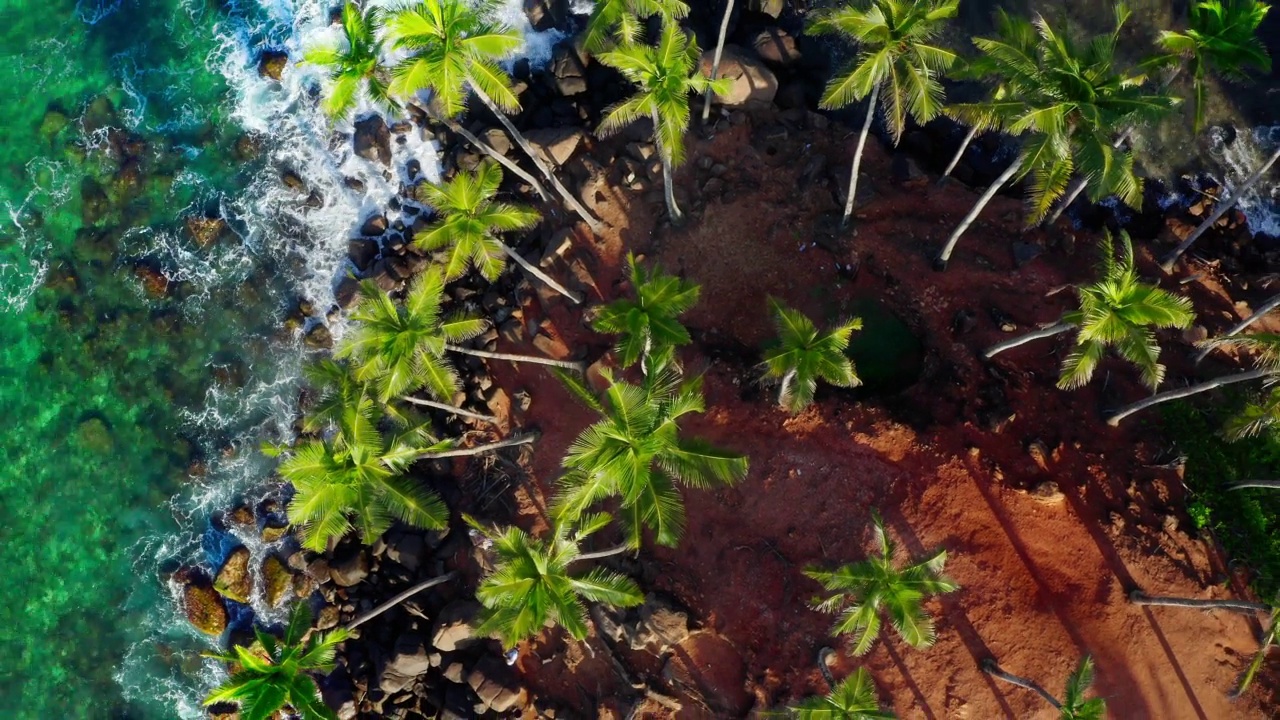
point(531, 585)
point(400, 347)
point(1258, 313)
point(665, 75)
point(1073, 705)
point(635, 452)
point(1067, 101)
point(337, 387)
point(1116, 310)
point(802, 355)
point(468, 224)
point(1268, 639)
point(273, 674)
point(715, 59)
point(621, 22)
point(648, 325)
point(360, 474)
point(454, 48)
point(852, 699)
point(1266, 367)
point(860, 591)
point(355, 66)
point(896, 68)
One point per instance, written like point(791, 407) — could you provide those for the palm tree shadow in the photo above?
point(911, 683)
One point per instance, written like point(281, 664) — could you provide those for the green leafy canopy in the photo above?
point(353, 64)
point(854, 698)
point(802, 355)
point(621, 22)
point(273, 673)
point(648, 324)
point(1075, 706)
point(860, 592)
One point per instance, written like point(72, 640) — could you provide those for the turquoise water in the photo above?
point(102, 386)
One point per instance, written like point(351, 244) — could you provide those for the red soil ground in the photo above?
point(1043, 582)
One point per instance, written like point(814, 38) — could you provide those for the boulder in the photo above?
point(456, 625)
point(362, 252)
point(496, 686)
point(154, 282)
point(275, 529)
point(320, 338)
point(568, 71)
point(349, 570)
point(204, 230)
point(234, 581)
point(661, 626)
point(203, 607)
point(271, 63)
point(497, 139)
point(775, 46)
point(277, 581)
point(372, 140)
point(750, 81)
point(555, 145)
point(411, 660)
point(407, 549)
point(374, 226)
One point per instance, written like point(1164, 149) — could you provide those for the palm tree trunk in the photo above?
point(1137, 597)
point(1271, 484)
point(1078, 186)
point(955, 160)
point(615, 550)
point(449, 408)
point(944, 257)
point(1255, 665)
point(1050, 331)
point(668, 188)
point(823, 668)
point(857, 156)
point(1265, 308)
point(485, 148)
point(520, 140)
point(480, 449)
point(566, 364)
point(715, 59)
point(1223, 206)
point(991, 668)
point(399, 599)
point(541, 275)
point(1180, 393)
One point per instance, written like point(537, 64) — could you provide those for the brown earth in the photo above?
point(1044, 579)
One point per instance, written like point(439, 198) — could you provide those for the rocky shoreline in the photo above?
point(422, 658)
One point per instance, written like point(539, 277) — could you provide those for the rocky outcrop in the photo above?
point(372, 140)
point(203, 605)
point(455, 627)
point(277, 581)
point(556, 145)
point(271, 63)
point(751, 83)
point(204, 230)
point(349, 570)
point(234, 581)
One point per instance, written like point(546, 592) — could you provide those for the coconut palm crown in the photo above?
point(648, 325)
point(1117, 310)
point(621, 22)
point(356, 480)
point(1221, 38)
point(860, 592)
point(399, 347)
point(470, 220)
point(854, 698)
point(802, 355)
point(353, 65)
point(453, 46)
point(531, 584)
point(635, 452)
point(272, 673)
point(1075, 706)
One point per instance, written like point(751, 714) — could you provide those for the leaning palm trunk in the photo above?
point(399, 599)
point(857, 156)
point(1180, 393)
point(1223, 206)
point(480, 449)
point(609, 552)
point(1268, 638)
point(945, 256)
point(991, 668)
point(520, 140)
point(1050, 331)
point(566, 364)
point(1137, 597)
point(1269, 484)
point(487, 149)
point(449, 408)
point(715, 59)
point(1265, 308)
point(955, 160)
point(823, 654)
point(541, 275)
point(668, 188)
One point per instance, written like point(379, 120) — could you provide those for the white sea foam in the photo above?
point(1261, 205)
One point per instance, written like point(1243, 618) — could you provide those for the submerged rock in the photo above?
point(234, 581)
point(271, 63)
point(204, 230)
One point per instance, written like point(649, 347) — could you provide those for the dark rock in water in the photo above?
point(355, 184)
point(234, 581)
point(381, 276)
point(362, 252)
point(203, 606)
point(1025, 252)
point(277, 581)
point(293, 181)
point(94, 204)
point(205, 230)
point(154, 283)
point(750, 82)
point(347, 294)
point(271, 63)
point(248, 147)
point(319, 337)
point(400, 127)
point(775, 46)
point(374, 226)
point(372, 140)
